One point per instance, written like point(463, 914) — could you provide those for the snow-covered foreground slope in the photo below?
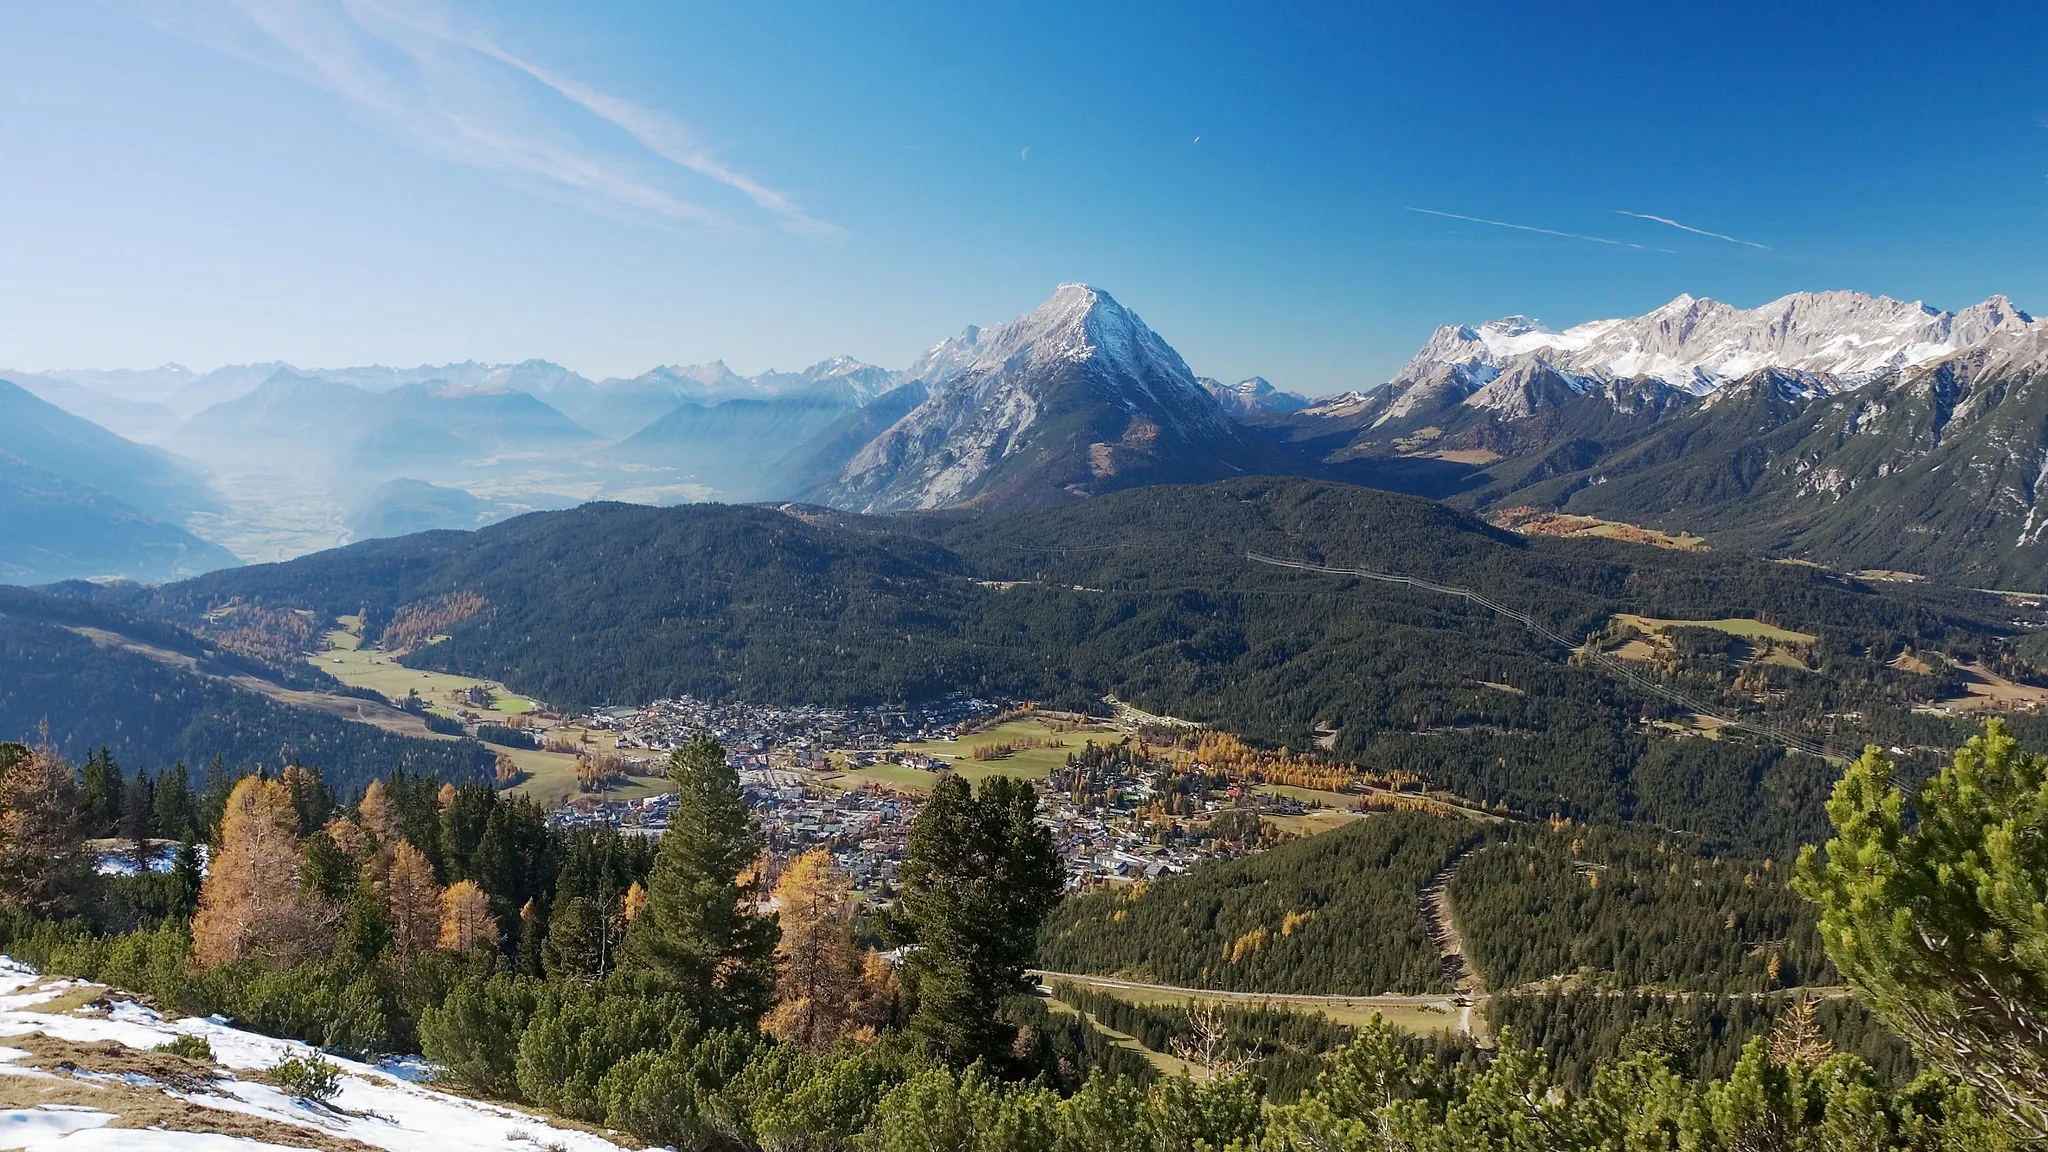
point(68, 1089)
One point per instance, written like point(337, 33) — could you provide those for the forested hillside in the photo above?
point(1332, 914)
point(1148, 595)
point(1620, 908)
point(180, 704)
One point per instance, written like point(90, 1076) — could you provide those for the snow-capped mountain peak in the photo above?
point(1081, 322)
point(1696, 344)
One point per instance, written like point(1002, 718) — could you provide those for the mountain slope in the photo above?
point(57, 530)
point(622, 604)
point(99, 675)
point(742, 448)
point(81, 452)
point(1938, 471)
point(1075, 398)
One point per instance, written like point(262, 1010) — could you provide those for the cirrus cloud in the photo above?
point(456, 93)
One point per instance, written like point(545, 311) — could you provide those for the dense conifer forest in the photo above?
point(1622, 908)
point(1335, 913)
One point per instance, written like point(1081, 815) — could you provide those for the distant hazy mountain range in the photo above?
point(1851, 430)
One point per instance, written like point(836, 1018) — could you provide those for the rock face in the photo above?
point(1853, 430)
point(1073, 398)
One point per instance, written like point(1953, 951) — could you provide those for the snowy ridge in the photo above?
point(1696, 344)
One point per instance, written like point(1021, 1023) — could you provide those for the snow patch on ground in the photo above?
point(382, 1105)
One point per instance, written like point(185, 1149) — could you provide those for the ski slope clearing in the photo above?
point(79, 1072)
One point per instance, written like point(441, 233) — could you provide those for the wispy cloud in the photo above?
point(1532, 228)
point(455, 93)
point(1691, 229)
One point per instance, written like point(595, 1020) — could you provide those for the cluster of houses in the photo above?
point(1110, 826)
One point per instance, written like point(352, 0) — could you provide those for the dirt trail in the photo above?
point(1459, 972)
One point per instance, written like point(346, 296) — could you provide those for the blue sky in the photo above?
point(614, 184)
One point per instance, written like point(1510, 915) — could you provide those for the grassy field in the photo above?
point(1168, 1065)
point(1030, 763)
point(359, 667)
point(1409, 1015)
point(1747, 629)
point(889, 775)
point(1339, 800)
point(1313, 823)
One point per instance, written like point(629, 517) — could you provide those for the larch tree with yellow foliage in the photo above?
point(412, 902)
point(250, 907)
point(817, 966)
point(466, 920)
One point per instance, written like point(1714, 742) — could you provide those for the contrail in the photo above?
point(1690, 228)
point(1527, 228)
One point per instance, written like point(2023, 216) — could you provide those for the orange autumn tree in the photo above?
point(817, 967)
point(250, 907)
point(43, 864)
point(466, 920)
point(412, 902)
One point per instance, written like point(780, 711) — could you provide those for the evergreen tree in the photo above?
point(138, 810)
point(214, 801)
point(188, 875)
point(175, 817)
point(699, 926)
point(100, 793)
point(1942, 923)
point(311, 798)
point(528, 959)
point(980, 876)
point(465, 818)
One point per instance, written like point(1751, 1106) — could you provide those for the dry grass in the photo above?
point(144, 1105)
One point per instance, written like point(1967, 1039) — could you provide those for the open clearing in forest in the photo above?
point(1029, 763)
point(1168, 1065)
point(1313, 823)
point(358, 667)
point(1747, 629)
point(1418, 1014)
point(1987, 691)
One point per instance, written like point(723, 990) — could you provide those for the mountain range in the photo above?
point(1849, 430)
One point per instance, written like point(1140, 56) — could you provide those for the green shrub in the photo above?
point(474, 1033)
point(190, 1047)
point(310, 1077)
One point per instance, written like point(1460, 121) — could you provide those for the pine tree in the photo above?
point(533, 934)
point(188, 875)
point(465, 818)
point(466, 920)
point(311, 799)
point(979, 878)
point(699, 926)
point(43, 864)
point(818, 968)
point(214, 801)
point(138, 809)
point(250, 907)
point(100, 793)
point(175, 817)
point(412, 902)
